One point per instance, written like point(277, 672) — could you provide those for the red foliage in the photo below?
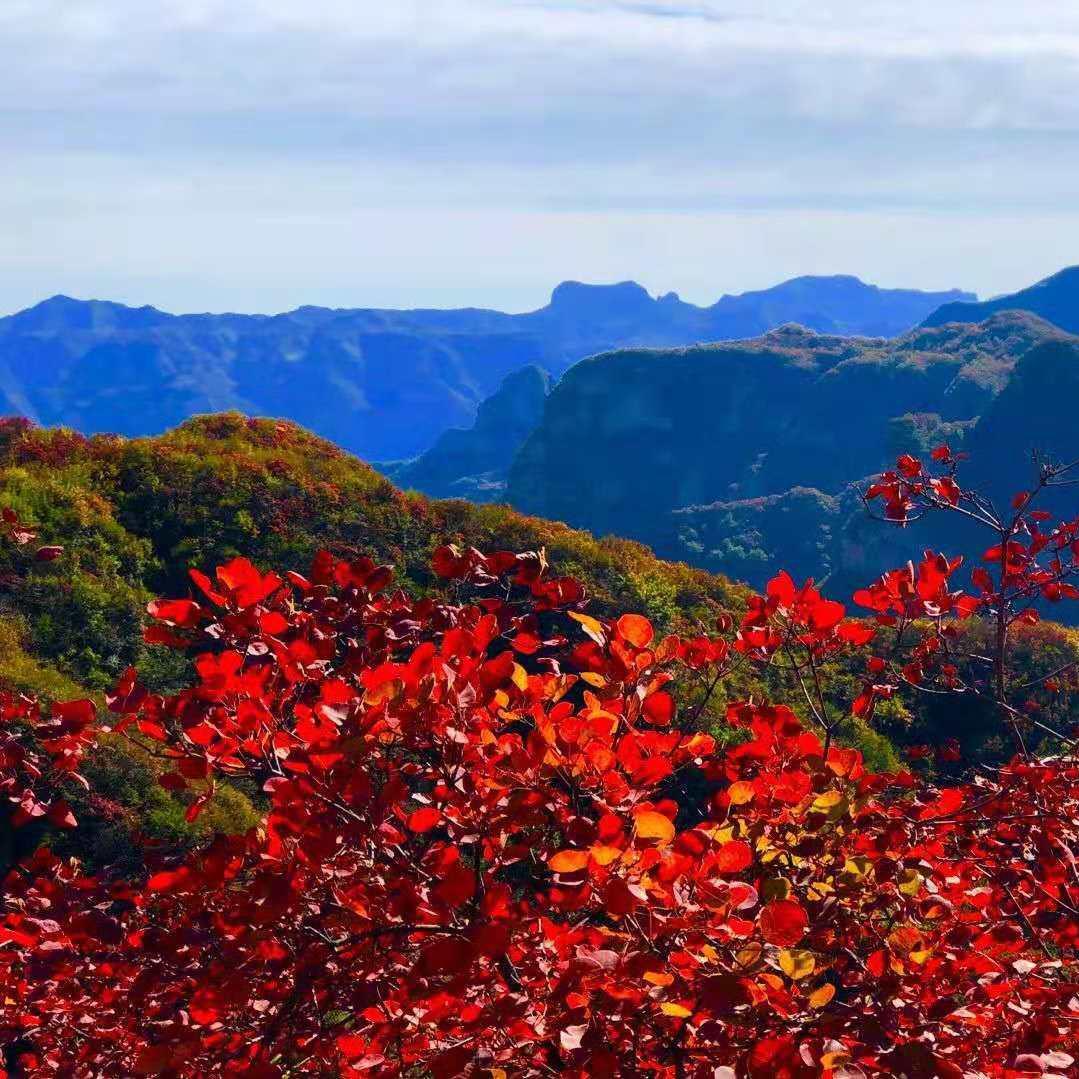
point(496, 845)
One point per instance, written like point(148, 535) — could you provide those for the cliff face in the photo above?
point(659, 430)
point(757, 442)
point(474, 463)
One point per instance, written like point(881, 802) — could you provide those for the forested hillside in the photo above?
point(739, 456)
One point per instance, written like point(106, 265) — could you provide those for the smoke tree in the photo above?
point(498, 841)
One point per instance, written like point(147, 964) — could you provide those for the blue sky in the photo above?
point(259, 154)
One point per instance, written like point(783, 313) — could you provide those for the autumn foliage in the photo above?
point(496, 841)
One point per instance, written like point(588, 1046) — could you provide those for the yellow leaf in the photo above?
point(821, 996)
point(832, 803)
point(568, 861)
point(593, 679)
point(741, 792)
point(834, 1060)
point(829, 799)
point(676, 1010)
point(604, 855)
point(797, 963)
point(750, 955)
point(910, 882)
point(657, 977)
point(383, 693)
point(652, 825)
point(520, 677)
point(592, 626)
point(858, 867)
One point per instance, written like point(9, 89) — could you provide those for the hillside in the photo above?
point(382, 383)
point(757, 442)
point(1056, 299)
point(680, 427)
point(133, 515)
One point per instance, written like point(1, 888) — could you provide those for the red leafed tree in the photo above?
point(494, 843)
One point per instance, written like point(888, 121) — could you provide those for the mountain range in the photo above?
point(739, 456)
point(1056, 299)
point(382, 383)
point(736, 455)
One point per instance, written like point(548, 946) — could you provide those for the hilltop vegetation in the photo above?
point(133, 515)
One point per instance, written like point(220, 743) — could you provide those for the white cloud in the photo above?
point(182, 144)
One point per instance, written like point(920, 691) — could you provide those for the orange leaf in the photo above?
point(568, 861)
point(741, 792)
point(652, 825)
point(635, 629)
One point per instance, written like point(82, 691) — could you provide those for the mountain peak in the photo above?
point(61, 312)
point(578, 298)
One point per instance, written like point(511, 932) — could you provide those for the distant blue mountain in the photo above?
point(1056, 299)
point(382, 383)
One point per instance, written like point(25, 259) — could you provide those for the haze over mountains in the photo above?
point(382, 383)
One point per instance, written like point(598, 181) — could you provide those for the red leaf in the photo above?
point(783, 922)
point(423, 820)
point(909, 466)
point(659, 708)
point(781, 588)
point(734, 856)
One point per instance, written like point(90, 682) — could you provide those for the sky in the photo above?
point(254, 155)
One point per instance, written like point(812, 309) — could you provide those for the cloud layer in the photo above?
point(260, 153)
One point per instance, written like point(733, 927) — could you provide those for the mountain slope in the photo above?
point(379, 382)
point(1056, 299)
point(474, 463)
point(757, 441)
point(133, 515)
point(665, 429)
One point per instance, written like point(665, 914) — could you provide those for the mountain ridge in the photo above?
point(1054, 298)
point(738, 455)
point(385, 383)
